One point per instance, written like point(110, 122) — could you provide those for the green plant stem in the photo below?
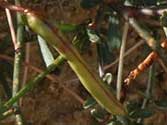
point(32, 83)
point(87, 76)
point(17, 63)
point(121, 60)
point(148, 92)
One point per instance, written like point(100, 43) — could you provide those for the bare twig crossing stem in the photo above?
point(128, 52)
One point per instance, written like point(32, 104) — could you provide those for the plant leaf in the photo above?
point(46, 53)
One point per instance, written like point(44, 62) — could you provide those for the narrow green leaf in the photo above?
point(46, 53)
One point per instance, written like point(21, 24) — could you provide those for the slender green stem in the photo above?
point(121, 60)
point(17, 60)
point(32, 83)
point(17, 63)
point(148, 92)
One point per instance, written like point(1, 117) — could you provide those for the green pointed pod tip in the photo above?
point(88, 78)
